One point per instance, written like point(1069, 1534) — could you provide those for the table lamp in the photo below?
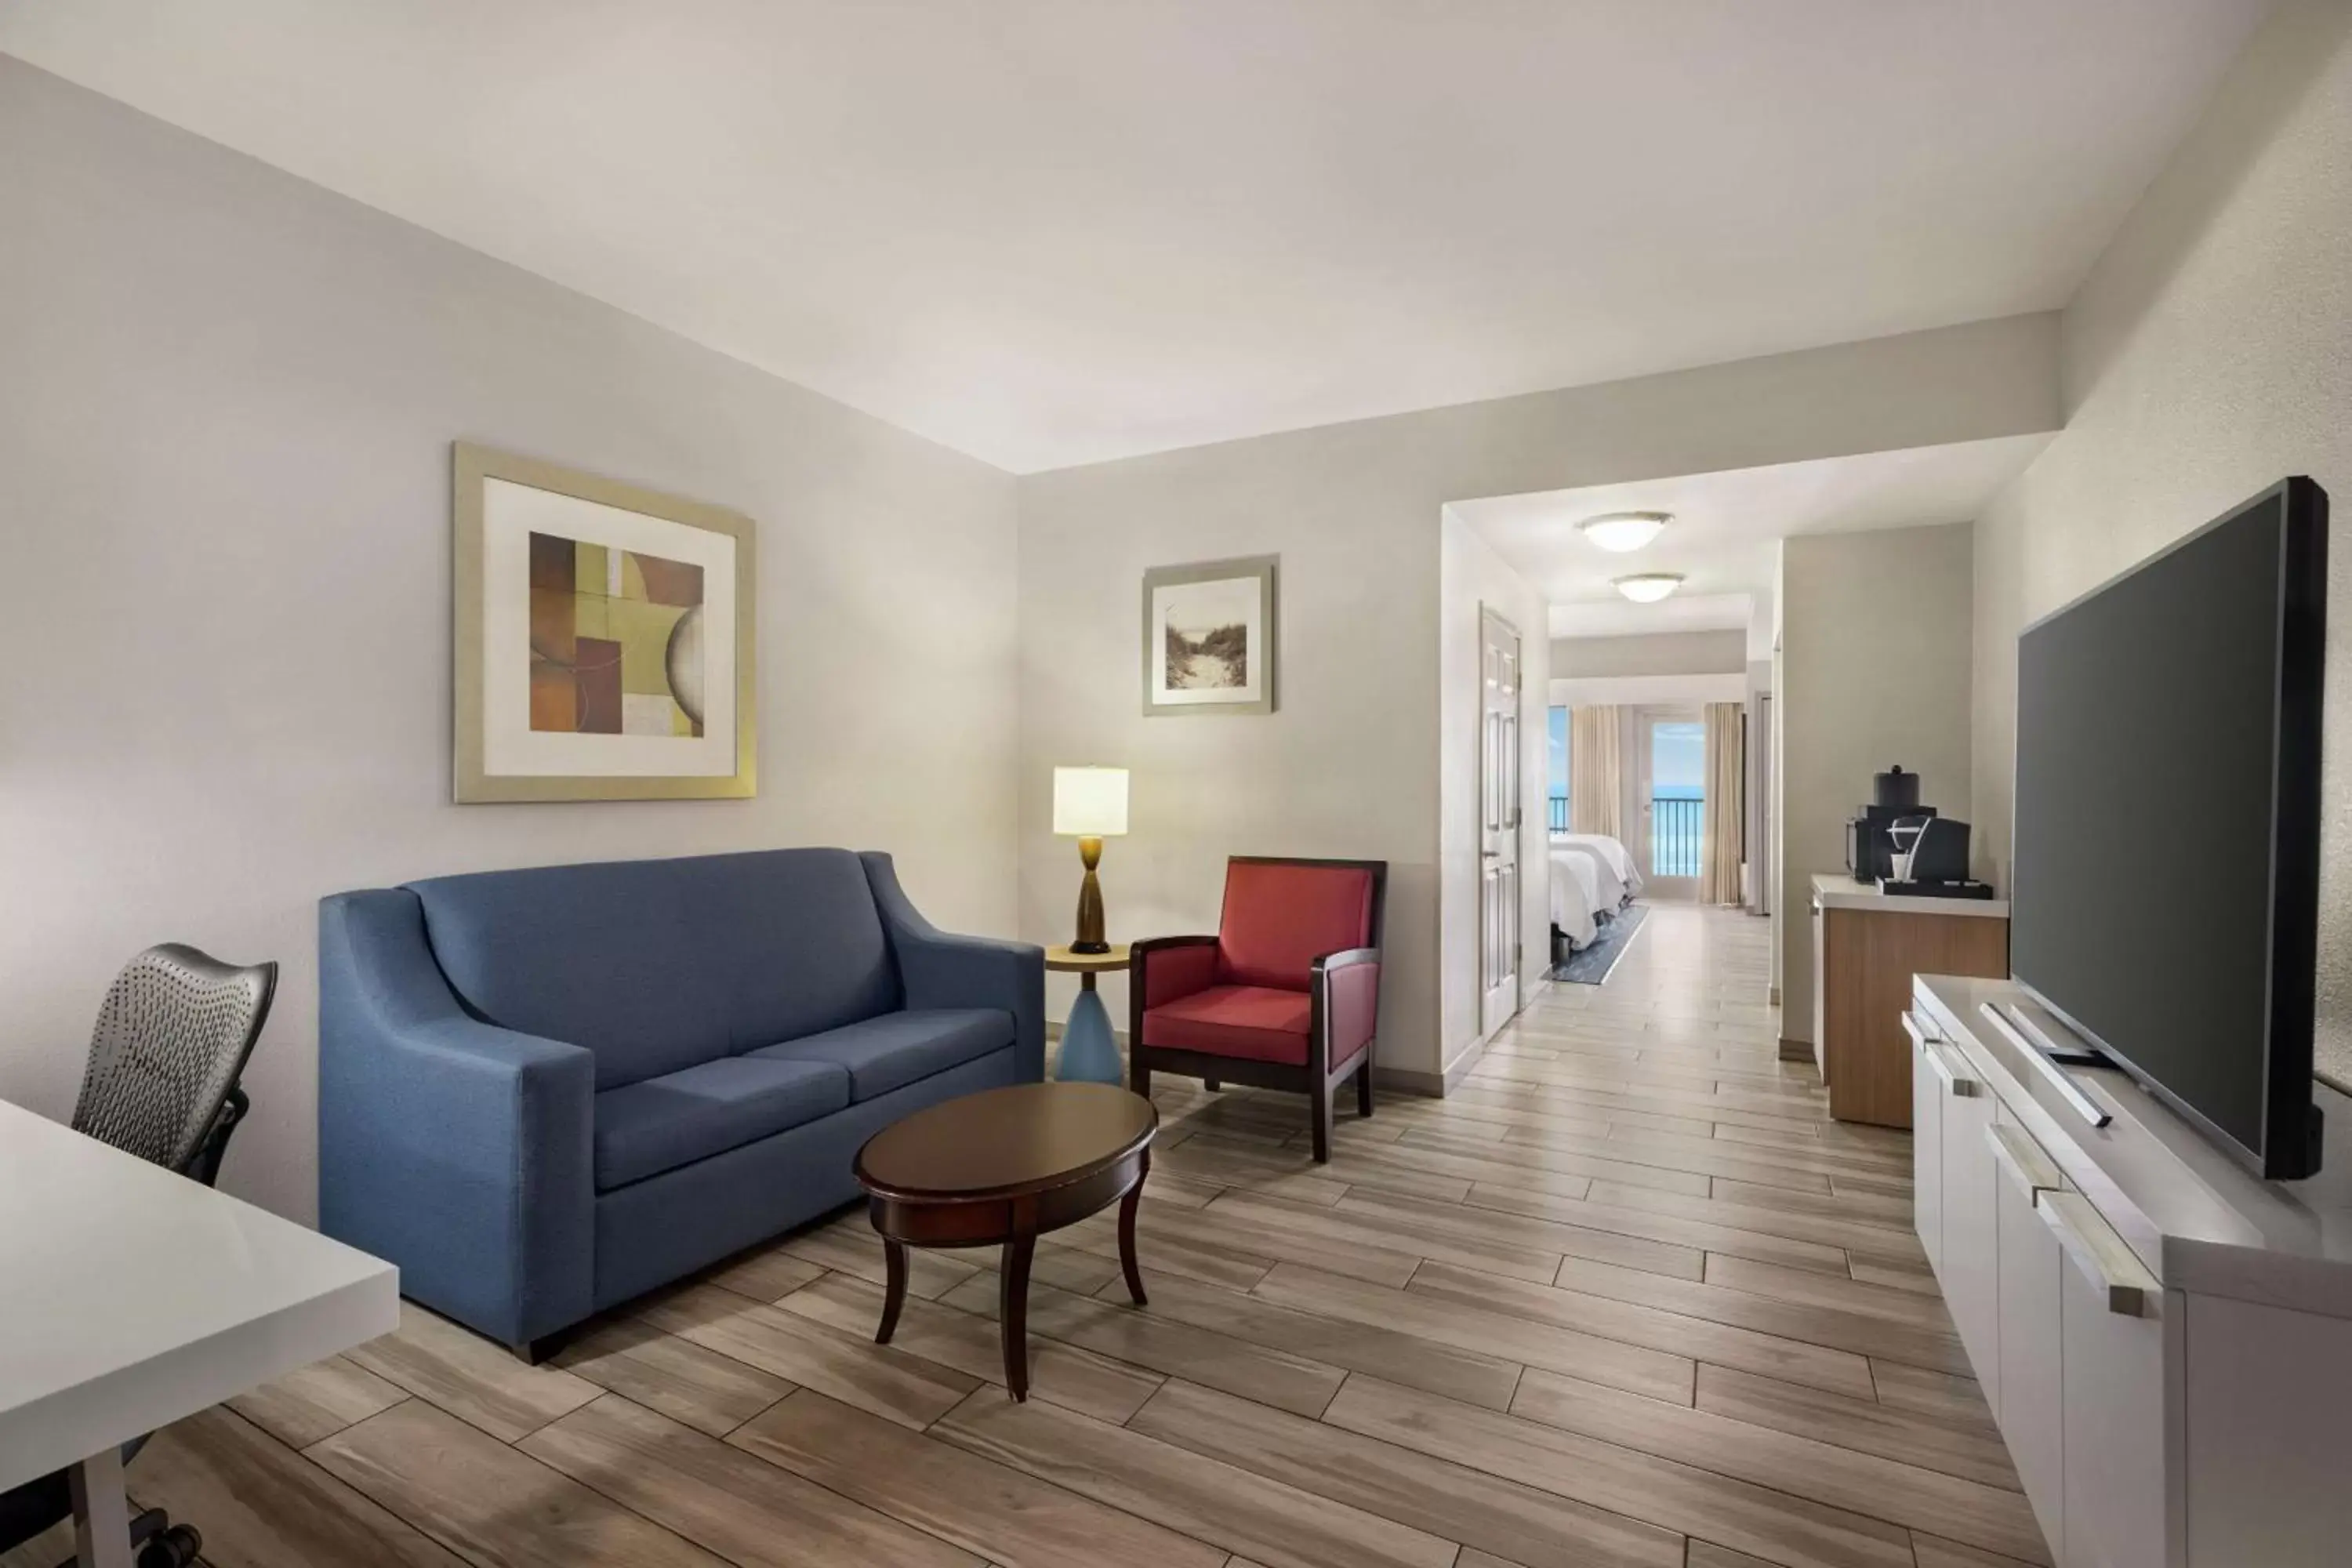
point(1089, 804)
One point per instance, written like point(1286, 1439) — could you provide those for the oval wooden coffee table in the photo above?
point(1003, 1166)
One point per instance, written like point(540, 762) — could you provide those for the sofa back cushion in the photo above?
point(792, 941)
point(656, 965)
point(1280, 915)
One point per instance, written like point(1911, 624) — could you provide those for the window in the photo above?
point(1678, 796)
point(1556, 797)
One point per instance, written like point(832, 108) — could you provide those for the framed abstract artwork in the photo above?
point(1209, 642)
point(604, 638)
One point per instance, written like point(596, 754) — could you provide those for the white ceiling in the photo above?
point(1725, 525)
point(1048, 232)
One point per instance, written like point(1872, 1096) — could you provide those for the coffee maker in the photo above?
point(1869, 844)
point(1900, 847)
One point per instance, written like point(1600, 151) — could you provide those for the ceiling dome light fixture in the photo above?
point(1622, 531)
point(1648, 587)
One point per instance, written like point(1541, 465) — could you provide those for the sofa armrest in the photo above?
point(1347, 991)
point(460, 1151)
point(939, 970)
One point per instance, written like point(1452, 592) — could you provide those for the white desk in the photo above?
point(130, 1297)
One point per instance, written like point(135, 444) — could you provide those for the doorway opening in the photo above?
point(1670, 793)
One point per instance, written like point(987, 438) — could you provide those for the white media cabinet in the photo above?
point(2164, 1339)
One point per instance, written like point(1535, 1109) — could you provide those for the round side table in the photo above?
point(1089, 1051)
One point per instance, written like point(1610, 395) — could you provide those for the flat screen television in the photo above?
point(2165, 886)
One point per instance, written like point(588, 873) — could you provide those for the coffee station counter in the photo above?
point(1867, 946)
point(1837, 890)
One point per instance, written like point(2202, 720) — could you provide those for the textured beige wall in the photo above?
point(1662, 653)
point(2209, 355)
point(226, 400)
point(1874, 670)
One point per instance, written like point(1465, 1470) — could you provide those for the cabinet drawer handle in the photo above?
point(2021, 1159)
point(2131, 1292)
point(1956, 1082)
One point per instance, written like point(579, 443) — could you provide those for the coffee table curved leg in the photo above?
point(1127, 1207)
point(1012, 1310)
point(894, 1287)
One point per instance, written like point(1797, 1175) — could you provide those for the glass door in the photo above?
point(1670, 763)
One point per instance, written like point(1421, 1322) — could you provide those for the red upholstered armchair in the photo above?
point(1285, 995)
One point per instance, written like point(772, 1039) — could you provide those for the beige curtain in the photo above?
point(1594, 760)
point(1718, 867)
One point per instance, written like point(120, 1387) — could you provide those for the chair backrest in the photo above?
point(1281, 915)
point(169, 1044)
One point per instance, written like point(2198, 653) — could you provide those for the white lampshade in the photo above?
point(1090, 802)
point(1624, 529)
point(1648, 587)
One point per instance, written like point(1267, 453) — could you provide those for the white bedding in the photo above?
point(1592, 874)
point(1590, 878)
point(1575, 898)
point(1614, 856)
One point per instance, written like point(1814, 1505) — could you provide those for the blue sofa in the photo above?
point(543, 1092)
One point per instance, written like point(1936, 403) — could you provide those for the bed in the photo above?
point(1592, 876)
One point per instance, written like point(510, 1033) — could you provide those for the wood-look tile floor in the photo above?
point(1626, 1298)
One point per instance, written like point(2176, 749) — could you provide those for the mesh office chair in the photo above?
point(171, 1042)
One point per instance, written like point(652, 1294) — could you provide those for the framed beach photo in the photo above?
point(602, 639)
point(1209, 637)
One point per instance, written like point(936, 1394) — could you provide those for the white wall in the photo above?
point(1645, 691)
point(226, 400)
point(1473, 578)
point(1874, 670)
point(1757, 839)
point(2209, 355)
point(1660, 653)
point(1349, 764)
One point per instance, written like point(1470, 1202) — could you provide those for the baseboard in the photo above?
point(1407, 1080)
point(1796, 1051)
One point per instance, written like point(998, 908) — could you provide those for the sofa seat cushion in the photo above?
point(898, 1049)
point(660, 1123)
point(1260, 1023)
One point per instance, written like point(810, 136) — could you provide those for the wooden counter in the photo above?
point(1867, 948)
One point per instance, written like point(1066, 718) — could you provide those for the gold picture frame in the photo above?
point(660, 703)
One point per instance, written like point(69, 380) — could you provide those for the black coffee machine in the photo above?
point(1869, 846)
point(1895, 822)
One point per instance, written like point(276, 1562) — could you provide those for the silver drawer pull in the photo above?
point(1956, 1082)
point(2021, 1159)
point(2130, 1291)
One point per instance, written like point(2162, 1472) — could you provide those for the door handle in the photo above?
point(2092, 1247)
point(2021, 1159)
point(1956, 1082)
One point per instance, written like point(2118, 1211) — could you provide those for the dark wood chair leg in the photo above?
point(1322, 1111)
point(1139, 1072)
point(1364, 1086)
point(1012, 1310)
point(894, 1287)
point(1127, 1207)
point(1212, 1085)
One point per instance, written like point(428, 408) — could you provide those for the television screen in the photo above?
point(2164, 896)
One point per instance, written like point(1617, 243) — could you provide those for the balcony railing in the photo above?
point(1675, 824)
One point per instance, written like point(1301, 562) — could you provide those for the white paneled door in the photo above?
point(1499, 822)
